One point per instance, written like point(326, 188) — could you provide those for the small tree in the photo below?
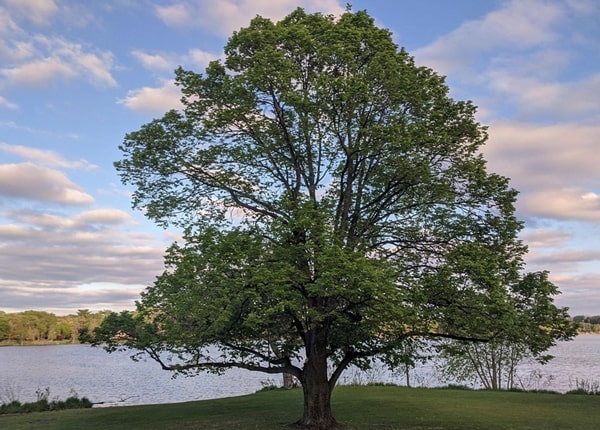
point(325, 184)
point(492, 364)
point(536, 325)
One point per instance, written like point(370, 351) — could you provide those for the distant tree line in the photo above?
point(588, 324)
point(44, 327)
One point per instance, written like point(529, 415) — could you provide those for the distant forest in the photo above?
point(588, 324)
point(40, 327)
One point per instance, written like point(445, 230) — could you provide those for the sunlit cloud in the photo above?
point(545, 237)
point(160, 62)
point(168, 62)
point(52, 58)
point(517, 25)
point(36, 11)
point(39, 72)
point(94, 246)
point(98, 219)
point(200, 59)
point(153, 100)
point(534, 96)
point(45, 157)
point(31, 182)
point(554, 167)
point(35, 131)
point(225, 16)
point(561, 204)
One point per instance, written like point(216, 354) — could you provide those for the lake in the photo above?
point(109, 378)
point(116, 379)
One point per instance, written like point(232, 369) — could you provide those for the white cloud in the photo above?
point(585, 7)
point(10, 232)
point(66, 298)
point(167, 62)
point(28, 181)
point(554, 166)
point(79, 14)
point(591, 197)
point(96, 67)
point(174, 15)
point(6, 104)
point(7, 24)
point(89, 259)
point(38, 72)
point(52, 58)
point(45, 157)
point(153, 100)
point(545, 237)
point(225, 16)
point(200, 59)
point(517, 25)
point(102, 216)
point(72, 274)
point(37, 11)
point(97, 219)
point(564, 264)
point(541, 156)
point(39, 132)
point(160, 62)
point(579, 292)
point(16, 50)
point(533, 96)
point(561, 204)
point(571, 256)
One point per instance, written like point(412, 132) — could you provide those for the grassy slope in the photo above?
point(355, 407)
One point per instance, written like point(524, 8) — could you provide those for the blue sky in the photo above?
point(76, 76)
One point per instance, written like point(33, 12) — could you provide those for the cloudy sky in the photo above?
point(76, 76)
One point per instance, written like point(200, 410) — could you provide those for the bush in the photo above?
point(10, 408)
point(456, 387)
point(585, 386)
point(42, 404)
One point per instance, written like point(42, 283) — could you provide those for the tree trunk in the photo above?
point(288, 381)
point(317, 406)
point(317, 390)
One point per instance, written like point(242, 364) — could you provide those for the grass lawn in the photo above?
point(370, 407)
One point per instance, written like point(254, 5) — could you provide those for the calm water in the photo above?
point(115, 378)
point(577, 360)
point(110, 378)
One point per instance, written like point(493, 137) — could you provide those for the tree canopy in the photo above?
point(334, 203)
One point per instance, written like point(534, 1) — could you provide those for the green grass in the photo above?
point(370, 407)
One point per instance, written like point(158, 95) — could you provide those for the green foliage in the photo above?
point(13, 407)
point(4, 326)
point(43, 404)
point(40, 327)
point(588, 324)
point(593, 319)
point(585, 386)
point(334, 205)
point(526, 328)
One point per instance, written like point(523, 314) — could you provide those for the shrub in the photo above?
point(585, 386)
point(42, 404)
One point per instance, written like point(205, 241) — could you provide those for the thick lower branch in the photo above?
point(207, 365)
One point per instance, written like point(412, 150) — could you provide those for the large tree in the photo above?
point(328, 189)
